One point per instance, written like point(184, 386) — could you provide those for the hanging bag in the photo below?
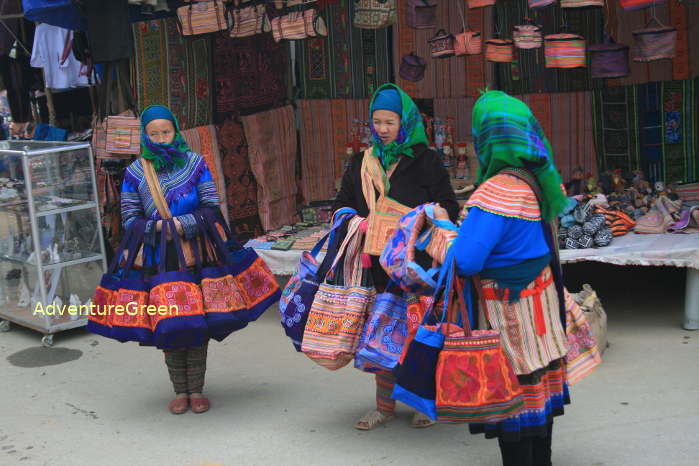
point(609, 59)
point(224, 305)
point(374, 14)
point(583, 355)
point(581, 3)
point(480, 3)
point(534, 4)
point(255, 280)
point(202, 17)
point(337, 315)
point(412, 68)
point(528, 36)
point(298, 295)
point(249, 19)
point(475, 382)
point(384, 212)
point(415, 374)
point(421, 14)
point(384, 333)
point(442, 45)
point(564, 51)
point(654, 43)
point(123, 134)
point(630, 5)
point(499, 50)
point(299, 24)
point(468, 42)
point(104, 297)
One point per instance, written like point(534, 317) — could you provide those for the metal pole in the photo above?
point(691, 300)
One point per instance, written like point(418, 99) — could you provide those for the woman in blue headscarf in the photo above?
point(187, 185)
point(416, 176)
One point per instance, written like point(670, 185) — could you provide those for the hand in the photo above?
point(440, 213)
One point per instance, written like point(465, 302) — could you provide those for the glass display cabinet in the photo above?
point(51, 248)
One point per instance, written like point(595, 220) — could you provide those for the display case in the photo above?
point(51, 248)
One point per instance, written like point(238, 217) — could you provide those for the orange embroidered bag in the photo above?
point(384, 212)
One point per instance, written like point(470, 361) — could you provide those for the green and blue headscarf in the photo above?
point(412, 129)
point(163, 156)
point(506, 134)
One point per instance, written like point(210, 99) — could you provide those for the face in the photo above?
point(161, 131)
point(386, 125)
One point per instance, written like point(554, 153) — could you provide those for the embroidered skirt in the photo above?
point(545, 394)
point(530, 329)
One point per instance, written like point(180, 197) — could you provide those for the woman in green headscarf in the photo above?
point(506, 240)
point(415, 175)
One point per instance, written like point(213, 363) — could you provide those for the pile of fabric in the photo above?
point(586, 225)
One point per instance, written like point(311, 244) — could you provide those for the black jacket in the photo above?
point(415, 181)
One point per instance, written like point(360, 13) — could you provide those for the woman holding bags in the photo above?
point(177, 254)
point(405, 174)
point(506, 241)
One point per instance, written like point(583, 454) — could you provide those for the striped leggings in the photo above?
point(384, 387)
point(187, 368)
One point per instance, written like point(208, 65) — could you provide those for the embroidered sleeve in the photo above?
point(131, 205)
point(206, 188)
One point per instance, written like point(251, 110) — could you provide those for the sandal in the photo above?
point(372, 419)
point(200, 405)
point(179, 405)
point(421, 421)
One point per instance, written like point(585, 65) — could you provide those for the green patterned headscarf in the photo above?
point(163, 156)
point(412, 129)
point(506, 134)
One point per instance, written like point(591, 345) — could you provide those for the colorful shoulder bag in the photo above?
point(202, 17)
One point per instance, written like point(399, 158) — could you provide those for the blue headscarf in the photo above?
point(163, 156)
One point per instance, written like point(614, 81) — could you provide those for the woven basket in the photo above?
point(528, 36)
point(564, 51)
point(499, 50)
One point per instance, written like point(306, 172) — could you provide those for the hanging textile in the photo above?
point(570, 131)
point(203, 141)
point(170, 70)
point(250, 74)
point(241, 187)
point(348, 63)
point(324, 143)
point(271, 137)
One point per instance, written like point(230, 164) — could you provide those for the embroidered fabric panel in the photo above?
point(508, 196)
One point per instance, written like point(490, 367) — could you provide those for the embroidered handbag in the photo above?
point(299, 25)
point(654, 43)
point(442, 45)
point(384, 334)
point(533, 4)
point(499, 50)
point(421, 14)
point(99, 319)
point(583, 355)
point(248, 20)
point(468, 43)
point(581, 3)
point(337, 315)
point(224, 306)
point(129, 320)
point(630, 5)
point(609, 59)
point(255, 280)
point(178, 292)
point(398, 257)
point(123, 135)
point(528, 36)
point(475, 381)
point(374, 14)
point(415, 374)
point(412, 68)
point(564, 51)
point(480, 3)
point(384, 213)
point(298, 295)
point(202, 17)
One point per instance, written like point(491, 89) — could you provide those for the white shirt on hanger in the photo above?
point(49, 44)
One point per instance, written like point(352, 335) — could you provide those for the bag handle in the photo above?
point(352, 231)
point(169, 226)
point(338, 218)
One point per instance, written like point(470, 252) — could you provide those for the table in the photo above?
point(673, 249)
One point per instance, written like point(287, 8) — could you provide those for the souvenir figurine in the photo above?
point(618, 181)
point(75, 301)
point(461, 161)
point(24, 298)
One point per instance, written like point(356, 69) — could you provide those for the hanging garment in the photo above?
point(52, 53)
